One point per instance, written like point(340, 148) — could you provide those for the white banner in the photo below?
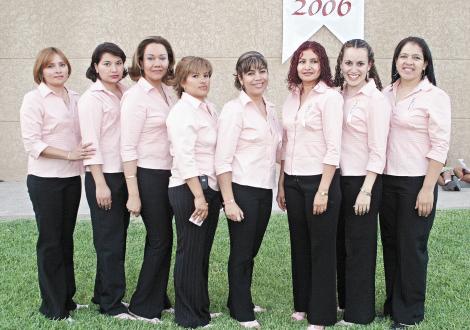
point(302, 18)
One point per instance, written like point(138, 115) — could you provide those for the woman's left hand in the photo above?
point(362, 205)
point(424, 202)
point(320, 203)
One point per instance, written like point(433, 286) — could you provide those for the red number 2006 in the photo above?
point(344, 7)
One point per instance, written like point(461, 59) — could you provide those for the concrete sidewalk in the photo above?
point(15, 203)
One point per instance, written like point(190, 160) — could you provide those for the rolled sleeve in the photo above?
point(332, 121)
point(229, 127)
point(133, 116)
point(31, 121)
point(439, 127)
point(378, 125)
point(90, 113)
point(183, 136)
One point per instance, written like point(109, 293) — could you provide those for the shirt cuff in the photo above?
point(128, 156)
point(189, 174)
point(38, 147)
point(331, 160)
point(223, 169)
point(437, 156)
point(95, 160)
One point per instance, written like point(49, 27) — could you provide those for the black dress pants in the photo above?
point(109, 238)
point(150, 297)
point(357, 251)
point(405, 248)
point(55, 203)
point(245, 240)
point(193, 250)
point(313, 247)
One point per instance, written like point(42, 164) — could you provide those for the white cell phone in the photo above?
point(191, 219)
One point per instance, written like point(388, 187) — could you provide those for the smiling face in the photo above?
point(110, 68)
point(308, 67)
point(56, 72)
point(410, 62)
point(354, 66)
point(255, 81)
point(197, 84)
point(155, 63)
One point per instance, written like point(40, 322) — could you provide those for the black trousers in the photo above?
point(313, 247)
point(356, 252)
point(245, 241)
point(109, 238)
point(193, 250)
point(55, 203)
point(405, 248)
point(150, 297)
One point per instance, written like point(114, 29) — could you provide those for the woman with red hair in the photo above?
point(309, 182)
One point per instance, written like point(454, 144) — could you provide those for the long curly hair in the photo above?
point(357, 43)
point(293, 79)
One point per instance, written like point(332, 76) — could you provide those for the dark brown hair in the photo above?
point(136, 70)
point(357, 43)
point(246, 62)
point(428, 71)
point(100, 50)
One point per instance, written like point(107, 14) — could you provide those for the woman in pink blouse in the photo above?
point(248, 138)
point(309, 185)
point(99, 112)
point(193, 189)
point(51, 136)
point(366, 120)
point(417, 149)
point(145, 152)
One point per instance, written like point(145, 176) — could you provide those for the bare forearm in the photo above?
point(55, 153)
point(327, 177)
point(434, 170)
point(225, 184)
point(97, 173)
point(369, 181)
point(195, 187)
point(130, 173)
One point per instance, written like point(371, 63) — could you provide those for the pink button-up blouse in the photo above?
point(247, 143)
point(99, 111)
point(419, 129)
point(192, 131)
point(144, 134)
point(46, 121)
point(366, 121)
point(312, 132)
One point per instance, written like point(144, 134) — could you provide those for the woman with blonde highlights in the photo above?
point(51, 136)
point(145, 152)
point(193, 189)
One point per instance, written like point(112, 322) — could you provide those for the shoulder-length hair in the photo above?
point(100, 50)
point(246, 62)
point(136, 70)
point(186, 66)
point(43, 58)
point(428, 71)
point(293, 79)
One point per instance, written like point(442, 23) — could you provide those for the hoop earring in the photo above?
point(367, 76)
point(396, 75)
point(423, 74)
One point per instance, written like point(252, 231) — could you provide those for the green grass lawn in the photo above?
point(447, 304)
